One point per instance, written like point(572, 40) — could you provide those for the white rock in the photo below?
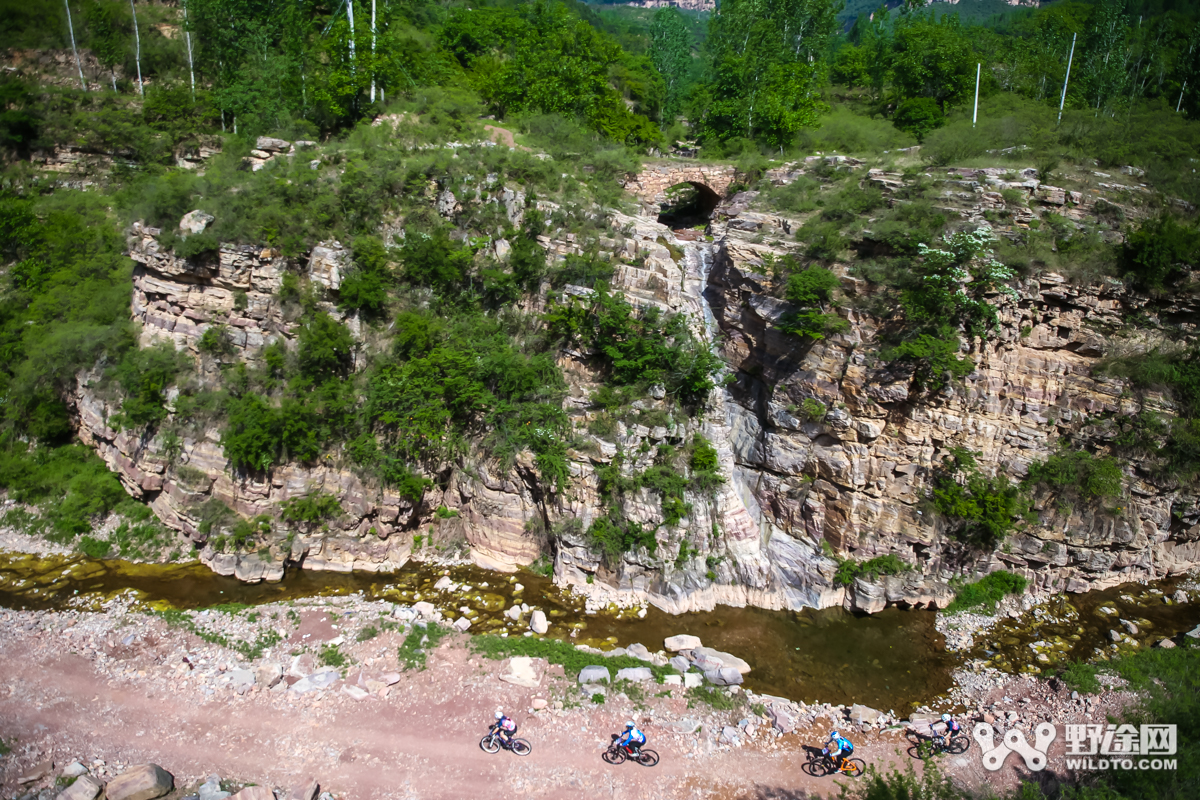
point(355, 692)
point(538, 623)
point(683, 641)
point(462, 623)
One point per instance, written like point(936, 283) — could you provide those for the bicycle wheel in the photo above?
point(521, 747)
point(925, 750)
point(614, 755)
point(489, 744)
point(647, 758)
point(854, 767)
point(959, 745)
point(816, 767)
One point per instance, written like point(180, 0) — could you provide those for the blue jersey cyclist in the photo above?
point(632, 738)
point(838, 748)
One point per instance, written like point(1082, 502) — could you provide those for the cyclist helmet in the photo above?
point(499, 715)
point(945, 717)
point(630, 724)
point(833, 734)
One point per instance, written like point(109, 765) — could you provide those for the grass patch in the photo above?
point(331, 656)
point(714, 698)
point(1081, 677)
point(557, 652)
point(418, 643)
point(986, 592)
point(248, 650)
point(367, 633)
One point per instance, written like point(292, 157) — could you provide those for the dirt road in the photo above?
point(125, 696)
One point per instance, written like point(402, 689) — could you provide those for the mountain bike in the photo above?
point(926, 747)
point(820, 763)
point(618, 753)
point(494, 741)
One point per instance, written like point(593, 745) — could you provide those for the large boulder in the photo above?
point(521, 672)
point(267, 675)
point(726, 659)
point(680, 664)
point(639, 651)
point(673, 644)
point(144, 782)
point(595, 675)
point(782, 718)
point(725, 676)
point(637, 674)
point(306, 791)
point(862, 715)
point(85, 787)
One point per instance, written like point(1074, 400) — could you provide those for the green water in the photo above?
point(890, 660)
point(1076, 627)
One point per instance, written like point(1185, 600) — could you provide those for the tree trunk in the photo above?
point(137, 39)
point(78, 64)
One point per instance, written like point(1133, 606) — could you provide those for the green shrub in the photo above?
point(1157, 252)
point(918, 116)
point(978, 510)
point(986, 592)
point(850, 569)
point(331, 656)
point(312, 508)
point(1078, 472)
point(215, 341)
point(715, 698)
point(615, 535)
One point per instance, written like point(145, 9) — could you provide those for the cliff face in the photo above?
point(853, 481)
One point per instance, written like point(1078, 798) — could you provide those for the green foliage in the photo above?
point(215, 341)
point(986, 592)
point(671, 53)
point(1080, 677)
point(326, 349)
point(932, 59)
point(1079, 473)
point(978, 510)
point(417, 644)
point(763, 74)
point(331, 656)
point(1158, 252)
point(849, 569)
point(145, 375)
point(810, 290)
point(714, 698)
point(918, 116)
point(637, 350)
point(616, 536)
point(312, 508)
point(555, 652)
point(1170, 448)
point(70, 484)
point(366, 634)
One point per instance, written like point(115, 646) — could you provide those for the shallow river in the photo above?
point(891, 660)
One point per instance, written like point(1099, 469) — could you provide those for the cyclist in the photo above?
point(838, 748)
point(505, 727)
point(632, 738)
point(952, 727)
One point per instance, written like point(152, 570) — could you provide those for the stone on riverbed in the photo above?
point(461, 624)
point(680, 664)
point(84, 788)
point(639, 651)
point(594, 674)
point(538, 623)
point(1194, 632)
point(726, 659)
point(144, 782)
point(673, 644)
point(862, 715)
point(425, 609)
point(725, 676)
point(637, 674)
point(1180, 596)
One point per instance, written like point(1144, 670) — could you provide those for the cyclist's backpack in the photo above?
point(846, 745)
point(507, 724)
point(954, 728)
